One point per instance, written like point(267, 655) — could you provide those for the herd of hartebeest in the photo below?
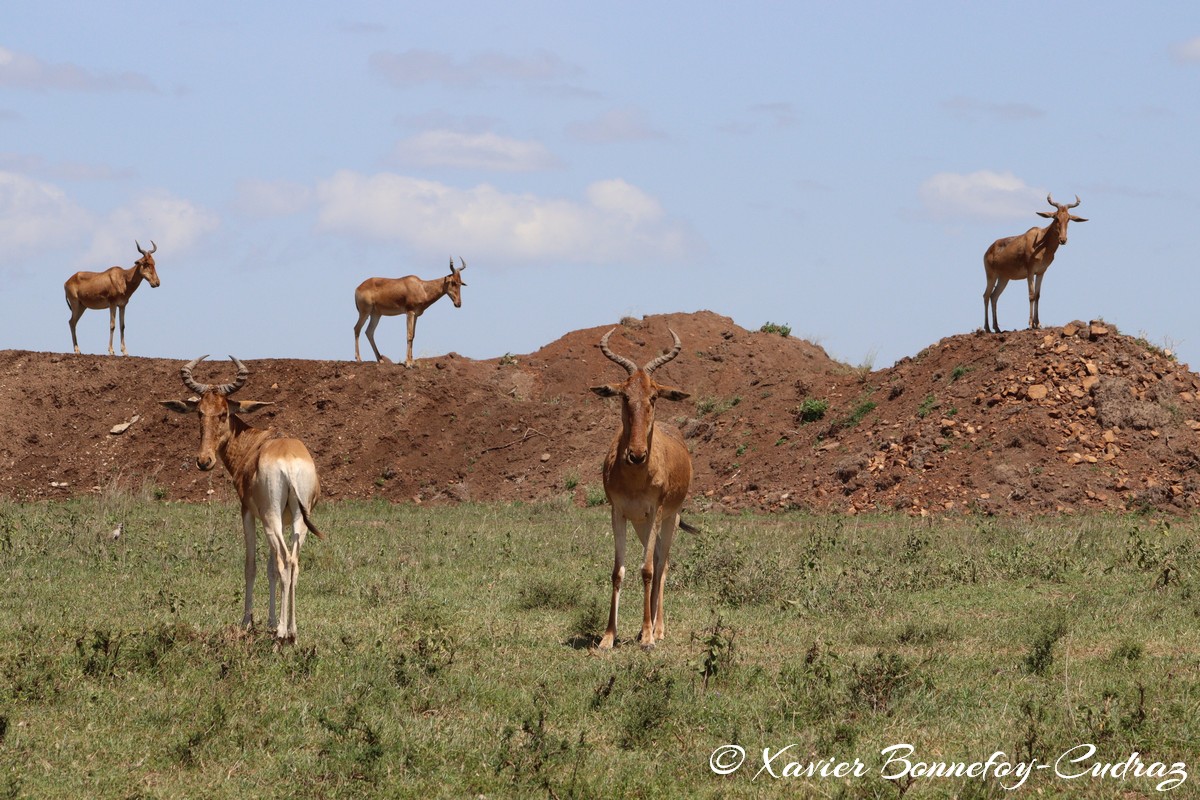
point(647, 471)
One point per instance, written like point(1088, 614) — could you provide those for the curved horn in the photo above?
point(462, 261)
point(185, 372)
point(139, 247)
point(243, 373)
point(1072, 205)
point(153, 246)
point(1050, 200)
point(629, 366)
point(665, 357)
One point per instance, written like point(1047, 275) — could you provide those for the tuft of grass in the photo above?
point(770, 327)
point(811, 410)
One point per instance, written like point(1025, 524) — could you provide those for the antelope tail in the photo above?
point(683, 526)
point(308, 522)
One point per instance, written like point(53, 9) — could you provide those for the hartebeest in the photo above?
point(647, 474)
point(387, 297)
point(276, 482)
point(1026, 256)
point(110, 289)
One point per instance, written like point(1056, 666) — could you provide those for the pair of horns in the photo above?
point(630, 366)
point(185, 372)
point(1050, 200)
point(461, 261)
point(153, 247)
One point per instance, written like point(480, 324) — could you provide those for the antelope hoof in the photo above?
point(384, 360)
point(607, 642)
point(647, 647)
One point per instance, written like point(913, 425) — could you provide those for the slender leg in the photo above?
point(1035, 296)
point(662, 562)
point(362, 317)
point(1000, 284)
point(412, 330)
point(280, 556)
point(375, 316)
point(618, 577)
point(991, 283)
point(76, 313)
point(251, 567)
point(646, 532)
point(112, 326)
point(124, 352)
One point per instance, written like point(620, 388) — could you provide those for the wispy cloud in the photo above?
point(35, 215)
point(618, 125)
point(484, 151)
point(980, 195)
point(23, 71)
point(259, 198)
point(173, 222)
point(973, 108)
point(418, 67)
point(614, 222)
point(1187, 52)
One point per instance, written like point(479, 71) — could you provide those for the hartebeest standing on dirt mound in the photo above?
point(387, 297)
point(110, 289)
point(646, 477)
point(276, 482)
point(1026, 256)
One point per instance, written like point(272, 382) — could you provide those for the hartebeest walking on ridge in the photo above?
point(1026, 256)
point(387, 297)
point(110, 289)
point(276, 482)
point(647, 474)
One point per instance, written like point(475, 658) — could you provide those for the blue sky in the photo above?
point(838, 167)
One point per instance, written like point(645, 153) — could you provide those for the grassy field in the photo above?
point(446, 653)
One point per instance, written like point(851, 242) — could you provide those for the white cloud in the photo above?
point(24, 71)
point(619, 125)
point(980, 195)
point(617, 222)
point(444, 148)
point(1187, 52)
point(36, 216)
point(174, 223)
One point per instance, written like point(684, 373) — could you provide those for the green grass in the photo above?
point(444, 652)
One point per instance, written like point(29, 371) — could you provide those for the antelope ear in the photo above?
point(671, 393)
point(1078, 219)
point(247, 406)
point(608, 390)
point(1046, 214)
point(180, 406)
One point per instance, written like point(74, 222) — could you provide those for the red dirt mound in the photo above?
point(1058, 420)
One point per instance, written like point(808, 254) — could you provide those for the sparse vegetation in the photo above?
point(783, 330)
point(716, 406)
point(442, 652)
point(811, 410)
point(927, 405)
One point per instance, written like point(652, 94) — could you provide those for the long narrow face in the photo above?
point(454, 284)
point(1062, 216)
point(214, 411)
point(145, 265)
point(639, 394)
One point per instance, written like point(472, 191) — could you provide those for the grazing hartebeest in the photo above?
point(275, 478)
point(646, 476)
point(1026, 256)
point(387, 297)
point(110, 289)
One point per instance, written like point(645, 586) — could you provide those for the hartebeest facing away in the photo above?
point(387, 297)
point(1026, 256)
point(110, 289)
point(276, 482)
point(647, 474)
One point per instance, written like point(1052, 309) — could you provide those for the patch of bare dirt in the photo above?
point(1058, 420)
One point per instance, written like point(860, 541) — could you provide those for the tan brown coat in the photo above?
point(387, 297)
point(110, 289)
point(647, 474)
